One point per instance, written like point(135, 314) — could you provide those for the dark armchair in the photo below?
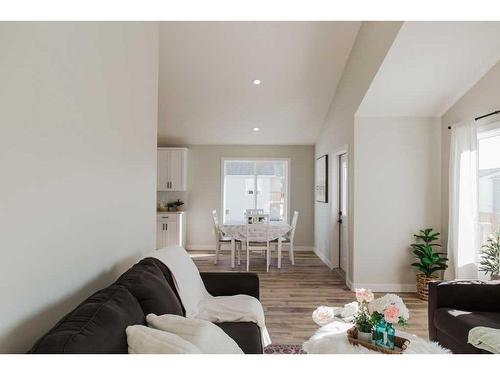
point(455, 307)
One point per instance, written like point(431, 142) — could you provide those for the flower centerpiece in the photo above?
point(363, 319)
point(385, 312)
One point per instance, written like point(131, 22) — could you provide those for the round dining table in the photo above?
point(237, 230)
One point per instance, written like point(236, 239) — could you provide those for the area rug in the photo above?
point(283, 349)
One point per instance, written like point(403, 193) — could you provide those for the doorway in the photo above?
point(342, 211)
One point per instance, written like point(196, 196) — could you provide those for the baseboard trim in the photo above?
point(195, 247)
point(323, 258)
point(388, 288)
point(349, 284)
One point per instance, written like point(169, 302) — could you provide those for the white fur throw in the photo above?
point(332, 339)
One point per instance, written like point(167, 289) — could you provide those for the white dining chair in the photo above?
point(257, 236)
point(221, 239)
point(287, 240)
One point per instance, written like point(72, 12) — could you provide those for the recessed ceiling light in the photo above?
point(256, 129)
point(256, 81)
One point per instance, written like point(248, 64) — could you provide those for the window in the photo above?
point(254, 184)
point(489, 182)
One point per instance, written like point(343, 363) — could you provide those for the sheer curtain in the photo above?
point(463, 197)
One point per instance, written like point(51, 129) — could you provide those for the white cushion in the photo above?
point(206, 336)
point(146, 340)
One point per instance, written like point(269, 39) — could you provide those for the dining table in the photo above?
point(237, 231)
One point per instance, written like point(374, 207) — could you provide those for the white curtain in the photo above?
point(463, 197)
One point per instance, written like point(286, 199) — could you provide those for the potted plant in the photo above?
point(490, 256)
point(362, 319)
point(428, 261)
point(179, 204)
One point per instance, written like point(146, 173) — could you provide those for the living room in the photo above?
point(250, 186)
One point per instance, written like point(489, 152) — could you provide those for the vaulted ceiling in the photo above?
point(430, 66)
point(206, 74)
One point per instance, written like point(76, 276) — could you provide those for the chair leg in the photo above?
point(233, 247)
point(280, 248)
point(267, 258)
point(240, 244)
point(292, 257)
point(248, 259)
point(217, 248)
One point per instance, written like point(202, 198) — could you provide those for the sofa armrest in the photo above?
point(231, 283)
point(467, 295)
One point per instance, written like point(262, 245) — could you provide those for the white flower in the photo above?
point(364, 295)
point(381, 304)
point(323, 315)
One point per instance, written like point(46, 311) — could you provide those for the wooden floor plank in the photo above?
point(290, 294)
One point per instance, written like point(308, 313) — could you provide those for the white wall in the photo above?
point(482, 98)
point(372, 43)
point(397, 193)
point(204, 181)
point(78, 124)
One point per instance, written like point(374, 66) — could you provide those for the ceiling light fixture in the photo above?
point(256, 129)
point(256, 81)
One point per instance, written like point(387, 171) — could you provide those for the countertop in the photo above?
point(170, 213)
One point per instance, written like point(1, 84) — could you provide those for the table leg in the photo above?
point(279, 252)
point(233, 244)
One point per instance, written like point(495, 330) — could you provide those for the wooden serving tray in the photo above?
point(400, 343)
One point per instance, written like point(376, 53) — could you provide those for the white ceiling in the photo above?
point(206, 94)
point(430, 66)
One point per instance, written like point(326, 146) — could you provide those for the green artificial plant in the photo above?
point(428, 259)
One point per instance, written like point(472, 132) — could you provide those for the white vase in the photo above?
point(365, 336)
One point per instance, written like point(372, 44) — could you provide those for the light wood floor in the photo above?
point(290, 294)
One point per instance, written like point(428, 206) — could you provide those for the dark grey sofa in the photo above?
point(455, 307)
point(98, 324)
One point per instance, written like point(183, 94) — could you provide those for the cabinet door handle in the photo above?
point(166, 226)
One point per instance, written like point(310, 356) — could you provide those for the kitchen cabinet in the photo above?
point(170, 229)
point(172, 169)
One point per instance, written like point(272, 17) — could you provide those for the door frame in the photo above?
point(334, 208)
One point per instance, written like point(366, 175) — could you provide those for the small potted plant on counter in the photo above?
point(179, 205)
point(429, 260)
point(490, 256)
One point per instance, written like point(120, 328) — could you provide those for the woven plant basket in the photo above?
point(423, 285)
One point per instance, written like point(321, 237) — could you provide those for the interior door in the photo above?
point(343, 199)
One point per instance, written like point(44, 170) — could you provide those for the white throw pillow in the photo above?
point(146, 340)
point(203, 334)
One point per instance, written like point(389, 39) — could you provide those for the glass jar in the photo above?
point(384, 335)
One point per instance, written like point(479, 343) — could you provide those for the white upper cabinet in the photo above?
point(172, 169)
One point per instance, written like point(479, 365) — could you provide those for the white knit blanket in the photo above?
point(200, 304)
point(485, 338)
